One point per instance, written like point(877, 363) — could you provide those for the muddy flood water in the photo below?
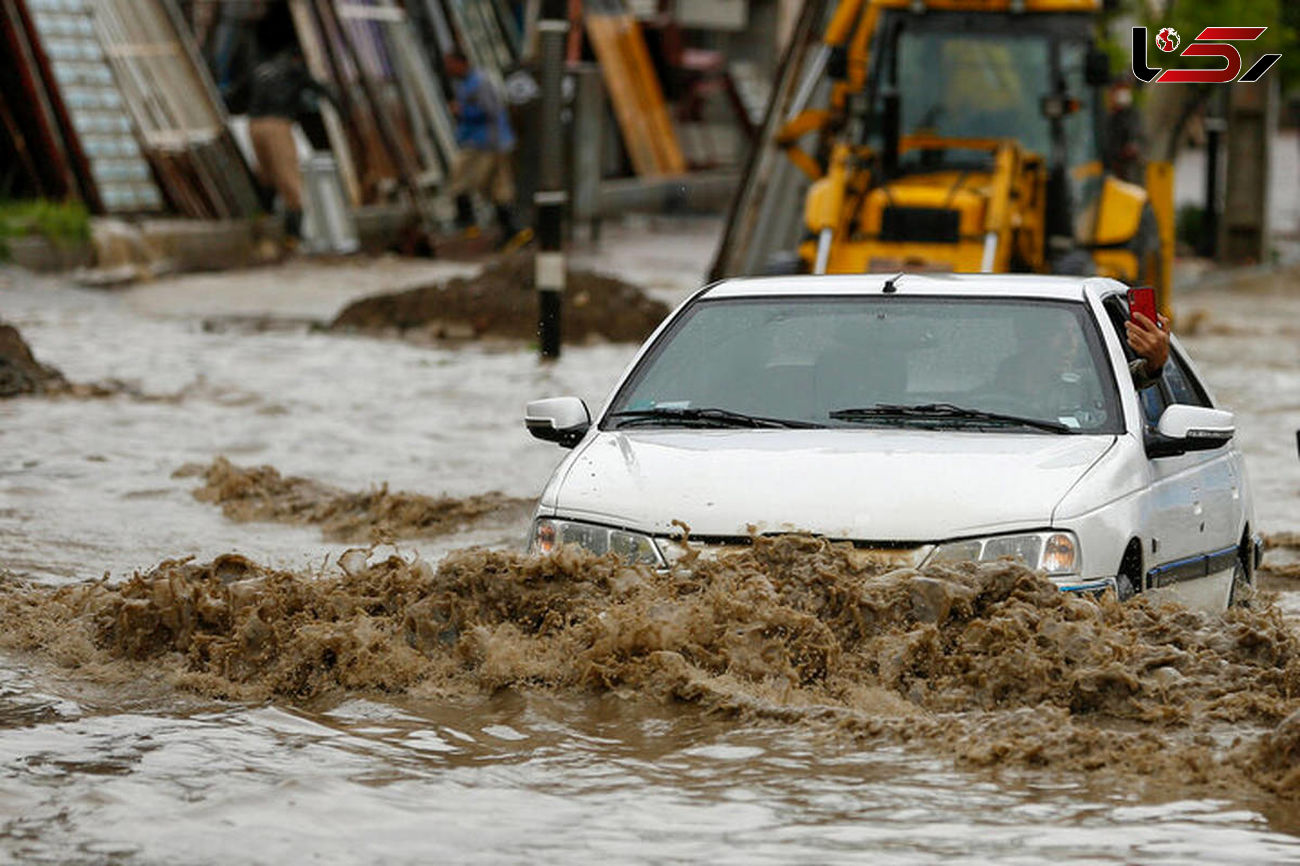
point(264, 600)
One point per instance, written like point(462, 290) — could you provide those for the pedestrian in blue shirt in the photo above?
point(486, 141)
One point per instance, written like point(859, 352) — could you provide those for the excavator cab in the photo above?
point(953, 135)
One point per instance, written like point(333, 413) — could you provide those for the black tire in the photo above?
point(1124, 587)
point(1243, 585)
point(1128, 577)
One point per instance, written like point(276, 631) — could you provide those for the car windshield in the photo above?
point(1007, 365)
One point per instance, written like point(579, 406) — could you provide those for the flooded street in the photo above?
point(410, 704)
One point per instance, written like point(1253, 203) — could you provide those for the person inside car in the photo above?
point(1150, 340)
point(1050, 375)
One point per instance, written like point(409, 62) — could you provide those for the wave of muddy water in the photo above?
point(377, 516)
point(141, 724)
point(787, 702)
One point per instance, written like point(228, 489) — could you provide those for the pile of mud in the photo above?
point(986, 662)
point(22, 375)
point(261, 493)
point(20, 372)
point(501, 301)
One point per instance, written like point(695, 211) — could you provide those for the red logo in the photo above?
point(1210, 42)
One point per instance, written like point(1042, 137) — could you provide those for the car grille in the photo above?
point(907, 555)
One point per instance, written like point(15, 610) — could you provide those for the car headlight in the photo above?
point(550, 532)
point(1054, 552)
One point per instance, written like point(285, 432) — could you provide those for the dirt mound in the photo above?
point(260, 493)
point(20, 372)
point(501, 301)
point(986, 662)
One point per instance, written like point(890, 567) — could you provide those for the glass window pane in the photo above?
point(803, 359)
point(1181, 387)
point(1153, 404)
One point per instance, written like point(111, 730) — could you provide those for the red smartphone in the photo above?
point(1142, 300)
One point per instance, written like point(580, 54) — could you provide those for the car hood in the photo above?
point(877, 485)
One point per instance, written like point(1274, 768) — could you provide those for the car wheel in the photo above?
point(1243, 588)
point(1124, 587)
point(1126, 579)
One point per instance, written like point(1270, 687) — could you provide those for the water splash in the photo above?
point(986, 662)
point(261, 493)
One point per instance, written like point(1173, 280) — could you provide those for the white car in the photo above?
point(933, 417)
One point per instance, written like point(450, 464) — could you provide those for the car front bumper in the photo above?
point(1085, 585)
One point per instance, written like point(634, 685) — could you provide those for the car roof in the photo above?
point(980, 285)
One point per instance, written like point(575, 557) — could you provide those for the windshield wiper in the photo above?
point(944, 412)
point(705, 416)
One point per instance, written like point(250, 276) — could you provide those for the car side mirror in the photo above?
point(563, 420)
point(1190, 428)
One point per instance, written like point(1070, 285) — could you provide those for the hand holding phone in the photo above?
point(1150, 339)
point(1143, 300)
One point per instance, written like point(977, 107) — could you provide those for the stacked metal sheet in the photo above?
point(180, 120)
point(391, 126)
point(95, 105)
point(490, 43)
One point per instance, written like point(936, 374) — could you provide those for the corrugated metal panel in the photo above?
point(175, 107)
point(94, 103)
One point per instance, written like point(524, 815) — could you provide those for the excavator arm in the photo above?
point(915, 138)
point(844, 53)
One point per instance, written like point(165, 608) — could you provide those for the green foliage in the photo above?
point(62, 223)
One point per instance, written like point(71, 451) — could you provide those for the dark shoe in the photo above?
point(506, 220)
point(266, 197)
point(506, 226)
point(293, 224)
point(465, 212)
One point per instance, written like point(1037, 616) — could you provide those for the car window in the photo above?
point(806, 358)
point(1152, 399)
point(1177, 383)
point(1153, 404)
point(1183, 387)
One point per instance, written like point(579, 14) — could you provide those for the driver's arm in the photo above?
point(1151, 342)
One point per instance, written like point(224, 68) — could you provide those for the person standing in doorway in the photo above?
point(280, 91)
point(486, 143)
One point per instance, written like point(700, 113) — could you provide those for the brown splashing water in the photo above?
point(988, 663)
point(261, 493)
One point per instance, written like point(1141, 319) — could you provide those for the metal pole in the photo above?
point(550, 199)
point(1209, 240)
point(587, 138)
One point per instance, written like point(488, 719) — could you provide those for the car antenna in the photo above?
point(889, 287)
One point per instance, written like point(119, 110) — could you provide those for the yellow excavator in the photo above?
point(950, 135)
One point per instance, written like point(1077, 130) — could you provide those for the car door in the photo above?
point(1175, 506)
point(1173, 524)
point(1217, 507)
